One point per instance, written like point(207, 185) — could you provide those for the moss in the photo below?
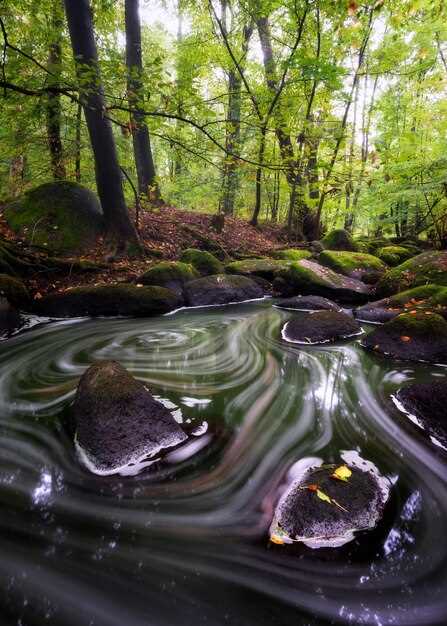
point(339, 239)
point(423, 269)
point(168, 272)
point(348, 263)
point(62, 216)
point(14, 291)
point(431, 325)
point(394, 255)
point(264, 268)
point(204, 262)
point(292, 254)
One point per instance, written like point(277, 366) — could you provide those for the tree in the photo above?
point(107, 170)
point(54, 108)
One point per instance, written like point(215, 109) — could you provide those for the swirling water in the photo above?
point(186, 541)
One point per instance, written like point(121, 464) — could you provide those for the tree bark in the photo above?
point(108, 174)
point(144, 162)
point(78, 143)
point(53, 108)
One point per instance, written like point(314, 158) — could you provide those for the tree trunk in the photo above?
point(107, 169)
point(144, 162)
point(78, 144)
point(232, 145)
point(53, 108)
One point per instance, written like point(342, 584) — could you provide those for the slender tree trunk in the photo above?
point(349, 214)
point(54, 109)
point(258, 184)
point(107, 169)
point(78, 143)
point(232, 145)
point(144, 162)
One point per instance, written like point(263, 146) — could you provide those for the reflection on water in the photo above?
point(186, 541)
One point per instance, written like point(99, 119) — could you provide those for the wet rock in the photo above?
point(425, 404)
point(425, 268)
point(308, 303)
point(118, 421)
point(121, 299)
point(221, 289)
point(320, 510)
point(170, 274)
point(14, 291)
point(63, 216)
point(413, 337)
point(263, 268)
point(354, 264)
point(423, 299)
point(320, 327)
point(292, 254)
point(339, 239)
point(394, 255)
point(10, 318)
point(309, 278)
point(204, 262)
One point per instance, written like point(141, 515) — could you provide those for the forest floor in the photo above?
point(165, 234)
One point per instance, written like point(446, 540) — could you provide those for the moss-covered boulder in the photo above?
point(291, 254)
point(204, 262)
point(264, 268)
point(358, 265)
point(117, 420)
point(62, 216)
point(431, 298)
point(320, 327)
point(122, 299)
point(221, 289)
point(423, 269)
point(310, 278)
point(14, 291)
point(307, 303)
point(339, 239)
point(170, 274)
point(394, 255)
point(412, 337)
point(425, 404)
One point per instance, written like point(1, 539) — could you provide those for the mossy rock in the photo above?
point(263, 268)
point(14, 291)
point(170, 274)
point(309, 278)
point(425, 268)
point(339, 239)
point(354, 264)
point(221, 289)
point(320, 327)
point(412, 337)
point(427, 298)
point(291, 254)
point(394, 255)
point(374, 244)
point(109, 300)
point(62, 216)
point(204, 262)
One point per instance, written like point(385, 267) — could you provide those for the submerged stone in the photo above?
point(118, 421)
point(308, 303)
point(204, 262)
point(358, 265)
point(425, 404)
point(422, 299)
point(320, 327)
point(425, 268)
point(221, 289)
point(413, 337)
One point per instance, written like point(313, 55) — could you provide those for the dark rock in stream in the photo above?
point(427, 298)
point(320, 327)
point(308, 303)
point(118, 421)
point(426, 405)
point(10, 318)
point(221, 289)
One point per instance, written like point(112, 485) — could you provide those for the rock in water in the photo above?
point(428, 267)
point(307, 303)
point(118, 421)
point(425, 405)
point(428, 298)
point(221, 289)
point(170, 274)
point(320, 327)
point(413, 337)
point(327, 504)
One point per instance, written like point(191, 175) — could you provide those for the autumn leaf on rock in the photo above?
point(342, 473)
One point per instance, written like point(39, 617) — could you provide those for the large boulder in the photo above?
point(425, 404)
point(62, 216)
point(413, 337)
point(204, 262)
point(170, 274)
point(221, 289)
point(320, 327)
point(394, 255)
point(328, 504)
point(358, 265)
point(339, 239)
point(99, 300)
point(292, 254)
point(309, 278)
point(262, 268)
point(118, 421)
point(420, 299)
point(307, 303)
point(425, 268)
point(14, 291)
point(10, 319)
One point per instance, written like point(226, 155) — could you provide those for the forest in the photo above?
point(223, 312)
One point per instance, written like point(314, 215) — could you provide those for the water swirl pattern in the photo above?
point(185, 542)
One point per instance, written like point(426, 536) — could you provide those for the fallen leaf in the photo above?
point(323, 496)
point(342, 473)
point(276, 539)
point(405, 338)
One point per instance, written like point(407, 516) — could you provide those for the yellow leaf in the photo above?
point(276, 539)
point(342, 473)
point(323, 496)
